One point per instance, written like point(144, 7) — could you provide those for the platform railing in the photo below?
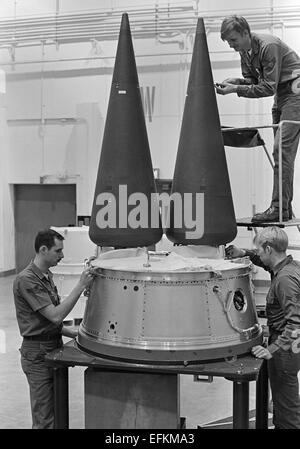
point(274, 126)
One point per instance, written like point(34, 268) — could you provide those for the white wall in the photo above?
point(79, 90)
point(7, 248)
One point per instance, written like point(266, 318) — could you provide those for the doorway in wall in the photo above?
point(39, 206)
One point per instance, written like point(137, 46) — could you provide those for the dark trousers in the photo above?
point(40, 380)
point(283, 370)
point(286, 107)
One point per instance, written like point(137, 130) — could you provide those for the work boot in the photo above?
point(271, 214)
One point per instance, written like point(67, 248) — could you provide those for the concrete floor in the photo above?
point(201, 403)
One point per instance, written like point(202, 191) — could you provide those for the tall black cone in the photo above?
point(125, 172)
point(201, 166)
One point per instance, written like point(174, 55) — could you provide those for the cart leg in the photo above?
point(240, 405)
point(61, 398)
point(262, 398)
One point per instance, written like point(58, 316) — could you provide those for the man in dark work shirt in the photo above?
point(283, 320)
point(40, 315)
point(269, 68)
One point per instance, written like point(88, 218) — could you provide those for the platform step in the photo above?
point(246, 221)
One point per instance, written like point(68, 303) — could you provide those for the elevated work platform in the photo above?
point(246, 222)
point(249, 137)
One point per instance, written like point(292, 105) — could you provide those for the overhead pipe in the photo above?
point(64, 32)
point(66, 37)
point(95, 16)
point(59, 24)
point(104, 26)
point(91, 23)
point(83, 16)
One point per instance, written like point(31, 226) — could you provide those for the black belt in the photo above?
point(42, 337)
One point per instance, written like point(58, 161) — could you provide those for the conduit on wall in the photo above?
point(159, 22)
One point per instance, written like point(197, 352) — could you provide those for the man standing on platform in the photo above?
point(269, 67)
point(283, 319)
point(40, 315)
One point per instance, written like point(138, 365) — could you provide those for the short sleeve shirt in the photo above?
point(32, 292)
point(283, 303)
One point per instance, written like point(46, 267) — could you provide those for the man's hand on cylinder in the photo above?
point(87, 277)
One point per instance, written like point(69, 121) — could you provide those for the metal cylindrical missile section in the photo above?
point(175, 316)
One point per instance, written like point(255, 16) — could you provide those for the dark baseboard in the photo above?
point(7, 273)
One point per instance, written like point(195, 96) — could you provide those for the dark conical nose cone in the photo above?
point(125, 211)
point(125, 67)
point(201, 166)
